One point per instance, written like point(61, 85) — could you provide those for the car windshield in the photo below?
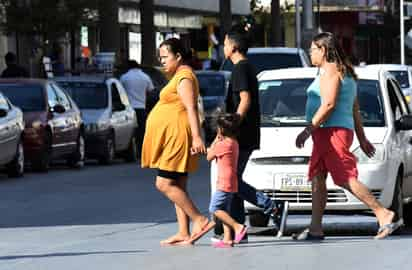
point(29, 98)
point(283, 102)
point(211, 84)
point(87, 95)
point(402, 77)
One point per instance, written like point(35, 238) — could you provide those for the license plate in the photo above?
point(292, 182)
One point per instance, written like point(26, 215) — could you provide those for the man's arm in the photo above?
point(244, 104)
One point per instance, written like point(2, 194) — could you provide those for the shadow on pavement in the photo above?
point(68, 254)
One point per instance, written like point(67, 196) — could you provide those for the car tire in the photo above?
point(258, 219)
point(108, 152)
point(16, 167)
point(397, 200)
point(78, 157)
point(131, 152)
point(42, 163)
point(407, 215)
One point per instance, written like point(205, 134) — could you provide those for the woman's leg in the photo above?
point(182, 219)
point(319, 199)
point(360, 191)
point(184, 205)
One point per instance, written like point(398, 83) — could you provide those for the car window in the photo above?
point(51, 96)
point(371, 103)
point(87, 95)
point(283, 102)
point(395, 96)
point(122, 93)
point(116, 100)
point(211, 84)
point(62, 98)
point(29, 98)
point(402, 77)
point(268, 61)
point(3, 103)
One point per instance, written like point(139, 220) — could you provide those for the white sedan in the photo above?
point(279, 169)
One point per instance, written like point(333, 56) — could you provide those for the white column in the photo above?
point(402, 45)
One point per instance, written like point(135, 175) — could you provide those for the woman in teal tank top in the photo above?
point(332, 111)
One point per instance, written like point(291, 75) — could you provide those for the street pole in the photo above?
point(298, 24)
point(402, 34)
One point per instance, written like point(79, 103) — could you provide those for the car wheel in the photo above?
point(397, 201)
point(16, 167)
point(109, 152)
point(258, 219)
point(78, 157)
point(131, 152)
point(407, 214)
point(41, 164)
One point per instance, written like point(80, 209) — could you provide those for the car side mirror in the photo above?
point(404, 123)
point(3, 112)
point(58, 108)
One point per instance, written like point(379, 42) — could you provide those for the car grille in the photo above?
point(334, 196)
point(281, 160)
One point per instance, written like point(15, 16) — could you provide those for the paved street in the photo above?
point(113, 218)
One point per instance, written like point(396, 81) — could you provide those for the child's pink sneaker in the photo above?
point(241, 235)
point(222, 244)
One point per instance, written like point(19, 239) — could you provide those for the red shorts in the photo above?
point(331, 154)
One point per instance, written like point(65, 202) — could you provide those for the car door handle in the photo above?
point(410, 140)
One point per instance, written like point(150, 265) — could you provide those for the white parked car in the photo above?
point(268, 58)
point(279, 169)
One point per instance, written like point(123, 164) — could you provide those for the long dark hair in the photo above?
point(176, 46)
point(335, 53)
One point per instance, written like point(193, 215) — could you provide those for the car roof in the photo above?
point(30, 81)
point(92, 78)
point(283, 50)
point(212, 72)
point(311, 72)
point(389, 67)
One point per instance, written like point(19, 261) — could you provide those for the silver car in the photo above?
point(110, 121)
point(11, 144)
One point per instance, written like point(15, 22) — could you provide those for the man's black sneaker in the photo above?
point(280, 215)
point(216, 238)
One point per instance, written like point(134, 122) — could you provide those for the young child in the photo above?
point(225, 150)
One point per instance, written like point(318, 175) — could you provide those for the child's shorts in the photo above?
point(221, 200)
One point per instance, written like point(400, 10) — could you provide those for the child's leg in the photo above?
point(227, 234)
point(229, 221)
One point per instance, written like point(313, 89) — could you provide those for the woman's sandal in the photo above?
point(205, 229)
point(306, 235)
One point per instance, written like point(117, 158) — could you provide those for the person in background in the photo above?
point(13, 70)
point(137, 84)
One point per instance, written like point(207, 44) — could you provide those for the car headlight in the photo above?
point(364, 159)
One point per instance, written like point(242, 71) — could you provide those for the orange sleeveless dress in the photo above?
point(168, 137)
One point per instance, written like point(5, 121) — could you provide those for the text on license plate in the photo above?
point(293, 182)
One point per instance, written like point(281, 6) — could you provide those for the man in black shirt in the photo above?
point(13, 70)
point(244, 100)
